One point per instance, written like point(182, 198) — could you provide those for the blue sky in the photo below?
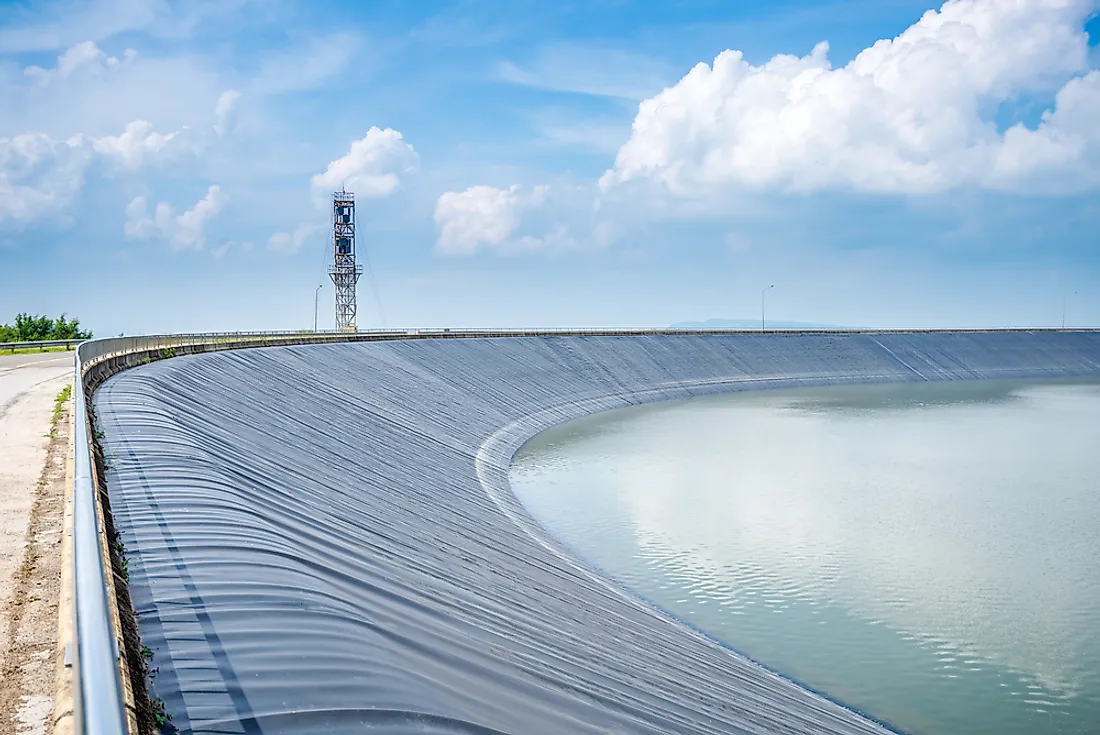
point(163, 165)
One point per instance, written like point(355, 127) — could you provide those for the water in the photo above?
point(928, 554)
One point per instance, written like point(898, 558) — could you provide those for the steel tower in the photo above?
point(345, 273)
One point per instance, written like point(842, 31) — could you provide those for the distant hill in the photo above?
point(752, 324)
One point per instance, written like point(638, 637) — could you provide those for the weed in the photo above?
point(58, 407)
point(24, 600)
point(160, 714)
point(59, 402)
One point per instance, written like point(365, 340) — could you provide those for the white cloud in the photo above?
point(910, 115)
point(39, 176)
point(589, 70)
point(1063, 152)
point(181, 232)
point(134, 146)
point(48, 25)
point(52, 26)
point(305, 66)
point(92, 95)
point(509, 221)
point(371, 168)
point(480, 216)
point(227, 101)
point(86, 56)
point(222, 250)
point(291, 242)
point(567, 129)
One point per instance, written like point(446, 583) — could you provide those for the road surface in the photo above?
point(30, 530)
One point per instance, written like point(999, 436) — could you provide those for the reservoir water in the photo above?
point(926, 553)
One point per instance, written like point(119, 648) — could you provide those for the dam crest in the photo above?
point(322, 537)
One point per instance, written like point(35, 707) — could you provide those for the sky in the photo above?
point(168, 166)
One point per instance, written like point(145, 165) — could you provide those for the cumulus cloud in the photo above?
point(39, 176)
point(289, 243)
point(223, 111)
point(511, 221)
point(134, 146)
point(371, 168)
point(83, 56)
point(481, 216)
point(912, 115)
point(184, 231)
point(1063, 152)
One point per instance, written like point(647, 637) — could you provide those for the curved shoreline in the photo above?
point(374, 569)
point(509, 439)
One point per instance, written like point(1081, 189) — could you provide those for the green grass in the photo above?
point(58, 407)
point(35, 350)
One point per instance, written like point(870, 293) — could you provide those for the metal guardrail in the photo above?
point(98, 703)
point(13, 346)
point(97, 692)
point(97, 688)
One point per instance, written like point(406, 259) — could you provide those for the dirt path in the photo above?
point(32, 494)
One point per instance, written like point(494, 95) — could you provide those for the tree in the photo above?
point(36, 328)
point(69, 329)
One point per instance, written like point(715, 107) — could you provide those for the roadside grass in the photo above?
point(35, 350)
point(58, 407)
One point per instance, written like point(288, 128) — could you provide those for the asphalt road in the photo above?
point(30, 535)
point(28, 386)
point(22, 373)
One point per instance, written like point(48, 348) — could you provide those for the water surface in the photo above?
point(926, 553)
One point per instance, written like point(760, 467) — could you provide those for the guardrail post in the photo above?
point(96, 681)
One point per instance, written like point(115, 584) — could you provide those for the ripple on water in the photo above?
point(944, 540)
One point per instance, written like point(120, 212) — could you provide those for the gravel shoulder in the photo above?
point(32, 493)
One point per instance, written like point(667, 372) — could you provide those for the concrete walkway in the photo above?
point(32, 478)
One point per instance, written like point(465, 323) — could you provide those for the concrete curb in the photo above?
point(63, 688)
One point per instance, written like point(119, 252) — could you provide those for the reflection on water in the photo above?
point(925, 553)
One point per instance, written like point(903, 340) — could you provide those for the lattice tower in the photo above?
point(344, 272)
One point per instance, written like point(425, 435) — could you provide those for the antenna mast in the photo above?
point(344, 272)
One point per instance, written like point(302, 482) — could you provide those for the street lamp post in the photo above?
point(762, 294)
point(316, 296)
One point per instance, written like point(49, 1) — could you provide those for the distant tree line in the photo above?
point(29, 328)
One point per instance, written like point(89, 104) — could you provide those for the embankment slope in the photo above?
point(322, 538)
